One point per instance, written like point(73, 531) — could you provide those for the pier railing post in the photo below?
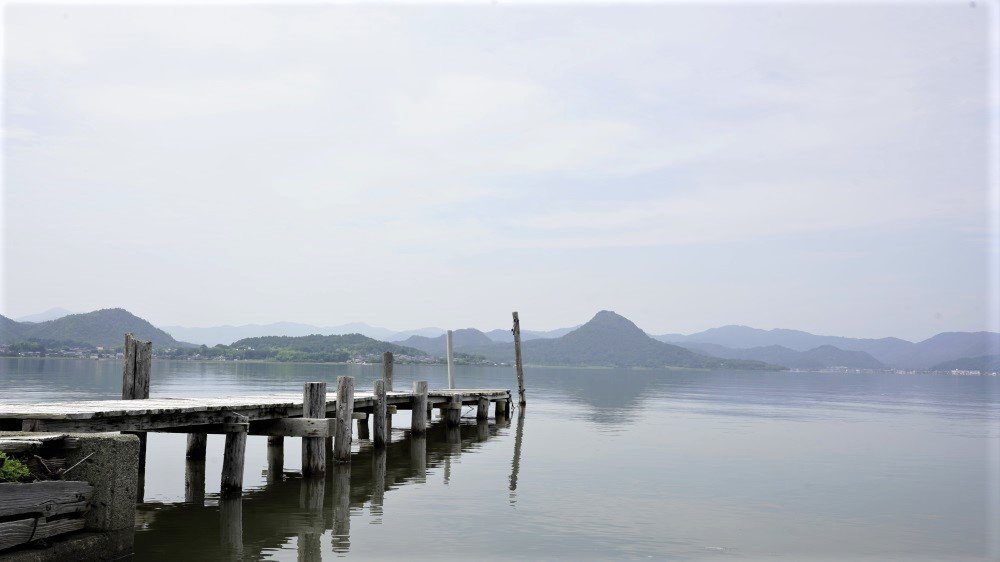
point(517, 360)
point(451, 361)
point(379, 421)
point(387, 370)
point(313, 450)
point(345, 410)
point(418, 414)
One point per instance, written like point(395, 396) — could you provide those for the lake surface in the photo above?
point(602, 464)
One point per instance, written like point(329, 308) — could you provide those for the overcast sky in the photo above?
point(802, 166)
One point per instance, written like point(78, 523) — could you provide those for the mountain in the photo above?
point(506, 336)
point(817, 358)
point(461, 340)
point(892, 352)
point(227, 334)
point(984, 363)
point(99, 328)
point(611, 340)
point(50, 314)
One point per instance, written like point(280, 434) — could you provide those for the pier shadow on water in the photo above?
point(292, 511)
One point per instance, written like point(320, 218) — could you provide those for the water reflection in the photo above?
point(291, 506)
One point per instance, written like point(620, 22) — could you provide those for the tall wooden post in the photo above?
point(517, 360)
point(380, 427)
point(418, 415)
point(345, 410)
point(135, 386)
point(313, 450)
point(387, 370)
point(451, 362)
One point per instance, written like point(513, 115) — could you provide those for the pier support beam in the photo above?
point(482, 409)
point(196, 444)
point(379, 417)
point(418, 414)
point(194, 481)
point(232, 462)
point(345, 409)
point(453, 411)
point(314, 406)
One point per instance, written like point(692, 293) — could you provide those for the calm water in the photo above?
point(602, 464)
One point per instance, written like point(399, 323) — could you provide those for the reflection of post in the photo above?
point(418, 457)
point(482, 430)
point(378, 482)
point(231, 527)
point(194, 481)
point(311, 494)
point(515, 464)
point(341, 507)
point(275, 459)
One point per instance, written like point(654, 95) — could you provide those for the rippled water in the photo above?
point(601, 464)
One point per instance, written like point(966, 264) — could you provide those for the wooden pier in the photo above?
point(307, 416)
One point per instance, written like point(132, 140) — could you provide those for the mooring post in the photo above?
point(483, 408)
point(387, 370)
point(517, 360)
point(418, 414)
point(451, 363)
point(232, 462)
point(313, 450)
point(453, 412)
point(196, 444)
point(379, 416)
point(345, 410)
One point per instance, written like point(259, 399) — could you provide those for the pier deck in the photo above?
point(168, 413)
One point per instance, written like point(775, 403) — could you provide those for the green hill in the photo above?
point(610, 340)
point(317, 348)
point(984, 363)
point(99, 328)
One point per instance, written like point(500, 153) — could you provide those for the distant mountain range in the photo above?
point(608, 339)
point(891, 352)
point(105, 328)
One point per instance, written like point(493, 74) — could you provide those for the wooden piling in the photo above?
point(313, 450)
point(196, 445)
point(194, 481)
point(379, 424)
point(345, 409)
point(418, 414)
point(482, 408)
point(232, 462)
point(451, 361)
point(231, 526)
point(276, 458)
point(363, 427)
point(500, 412)
point(517, 360)
point(453, 412)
